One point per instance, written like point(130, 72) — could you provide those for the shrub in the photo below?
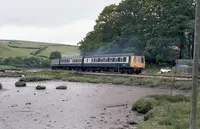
point(144, 105)
point(40, 87)
point(55, 55)
point(20, 84)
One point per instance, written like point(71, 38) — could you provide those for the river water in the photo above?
point(81, 106)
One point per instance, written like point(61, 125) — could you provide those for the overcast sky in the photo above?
point(59, 21)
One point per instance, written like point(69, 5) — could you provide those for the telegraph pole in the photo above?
point(193, 114)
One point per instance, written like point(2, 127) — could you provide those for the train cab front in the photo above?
point(137, 63)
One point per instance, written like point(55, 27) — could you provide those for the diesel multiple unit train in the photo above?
point(123, 63)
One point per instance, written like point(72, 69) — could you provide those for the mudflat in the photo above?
point(80, 106)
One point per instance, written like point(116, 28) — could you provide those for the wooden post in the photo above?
point(193, 114)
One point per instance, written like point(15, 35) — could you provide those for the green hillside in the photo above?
point(13, 48)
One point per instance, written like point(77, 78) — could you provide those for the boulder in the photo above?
point(62, 87)
point(20, 84)
point(40, 87)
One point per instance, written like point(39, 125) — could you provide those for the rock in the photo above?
point(0, 85)
point(20, 84)
point(93, 117)
point(28, 103)
point(125, 125)
point(61, 87)
point(40, 87)
point(131, 122)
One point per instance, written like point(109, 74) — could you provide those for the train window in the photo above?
point(139, 60)
point(111, 59)
point(142, 60)
point(108, 59)
point(124, 59)
point(99, 59)
point(118, 59)
point(121, 59)
point(135, 60)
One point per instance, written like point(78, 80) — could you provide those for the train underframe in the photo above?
point(102, 69)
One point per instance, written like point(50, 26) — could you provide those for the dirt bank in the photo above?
point(82, 105)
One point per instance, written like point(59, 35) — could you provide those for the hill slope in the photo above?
point(13, 48)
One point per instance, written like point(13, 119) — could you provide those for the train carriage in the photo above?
point(68, 63)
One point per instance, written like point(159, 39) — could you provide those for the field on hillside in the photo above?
point(13, 48)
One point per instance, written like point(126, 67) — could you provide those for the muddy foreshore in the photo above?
point(82, 105)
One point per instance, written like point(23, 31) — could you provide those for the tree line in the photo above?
point(162, 30)
point(30, 62)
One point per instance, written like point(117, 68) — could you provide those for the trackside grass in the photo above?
point(74, 76)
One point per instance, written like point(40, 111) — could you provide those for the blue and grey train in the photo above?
point(123, 63)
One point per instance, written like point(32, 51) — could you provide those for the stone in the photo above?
point(61, 87)
point(20, 84)
point(40, 87)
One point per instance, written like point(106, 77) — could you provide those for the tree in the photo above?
point(54, 55)
point(142, 27)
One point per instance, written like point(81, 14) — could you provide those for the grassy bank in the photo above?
point(74, 76)
point(165, 112)
point(18, 48)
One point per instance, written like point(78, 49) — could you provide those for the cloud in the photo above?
point(63, 21)
point(70, 33)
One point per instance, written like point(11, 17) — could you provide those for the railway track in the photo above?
point(140, 76)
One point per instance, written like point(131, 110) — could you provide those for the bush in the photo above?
point(55, 55)
point(61, 87)
point(26, 62)
point(33, 79)
point(20, 84)
point(40, 87)
point(1, 86)
point(144, 105)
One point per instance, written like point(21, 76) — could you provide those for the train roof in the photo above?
point(72, 57)
point(106, 55)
